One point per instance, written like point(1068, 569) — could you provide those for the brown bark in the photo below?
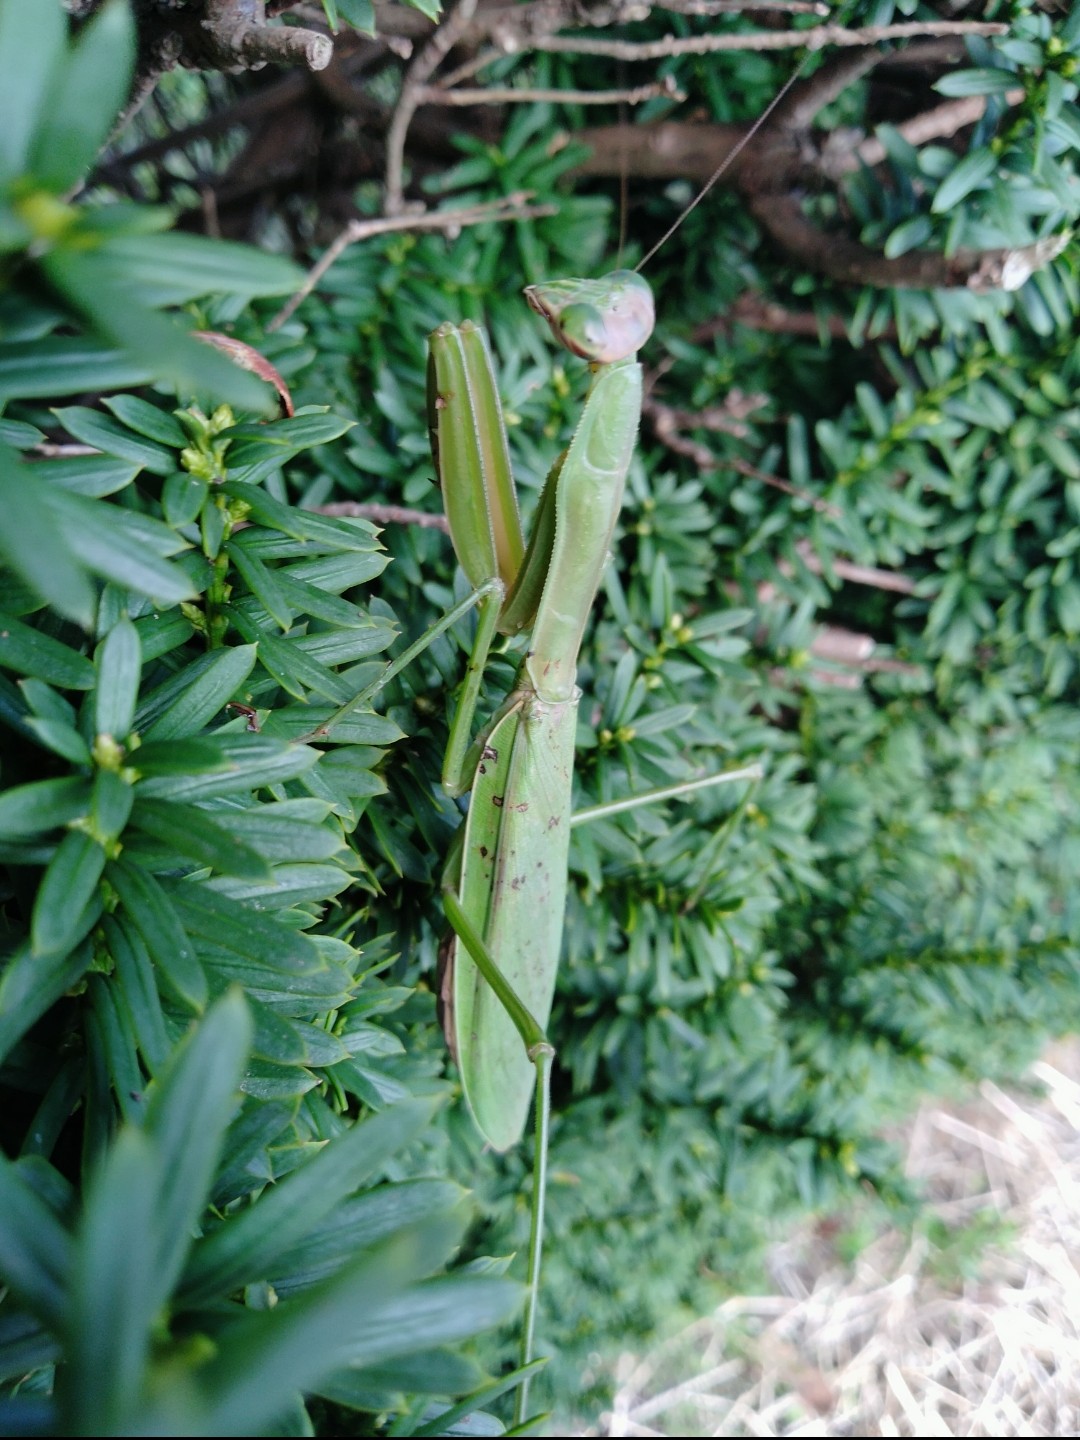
point(841, 258)
point(769, 165)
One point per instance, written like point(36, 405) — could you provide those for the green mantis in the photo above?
point(505, 885)
point(505, 882)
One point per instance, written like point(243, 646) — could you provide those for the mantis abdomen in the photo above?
point(512, 881)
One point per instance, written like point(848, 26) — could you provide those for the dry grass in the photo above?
point(970, 1328)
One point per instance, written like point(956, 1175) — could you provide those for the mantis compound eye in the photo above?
point(582, 329)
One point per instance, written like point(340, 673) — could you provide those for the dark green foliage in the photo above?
point(110, 267)
point(255, 1190)
point(213, 1203)
point(162, 850)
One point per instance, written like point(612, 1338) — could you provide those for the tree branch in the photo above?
point(508, 207)
point(662, 150)
point(851, 263)
point(768, 168)
point(669, 426)
point(740, 7)
point(239, 37)
point(757, 313)
point(937, 124)
point(524, 95)
point(223, 35)
point(797, 110)
point(416, 78)
point(815, 38)
point(871, 575)
point(385, 514)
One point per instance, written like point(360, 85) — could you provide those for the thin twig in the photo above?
point(510, 95)
point(416, 78)
point(669, 425)
point(741, 467)
point(383, 514)
point(757, 313)
point(479, 62)
point(469, 67)
point(870, 575)
point(815, 38)
point(728, 418)
point(738, 7)
point(515, 33)
point(48, 451)
point(508, 207)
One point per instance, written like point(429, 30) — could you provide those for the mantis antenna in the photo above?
point(729, 159)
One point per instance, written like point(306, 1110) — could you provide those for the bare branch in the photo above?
point(851, 263)
point(48, 451)
point(936, 124)
point(384, 514)
point(871, 575)
point(815, 38)
point(697, 151)
point(757, 313)
point(237, 36)
point(670, 424)
point(662, 151)
point(842, 647)
point(416, 78)
point(513, 27)
point(469, 68)
point(767, 168)
point(795, 491)
point(796, 110)
point(508, 95)
point(739, 7)
point(508, 207)
point(231, 35)
point(728, 418)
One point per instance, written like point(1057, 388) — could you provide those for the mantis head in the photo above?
point(600, 320)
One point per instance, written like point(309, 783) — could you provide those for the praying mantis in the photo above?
point(504, 887)
point(505, 884)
